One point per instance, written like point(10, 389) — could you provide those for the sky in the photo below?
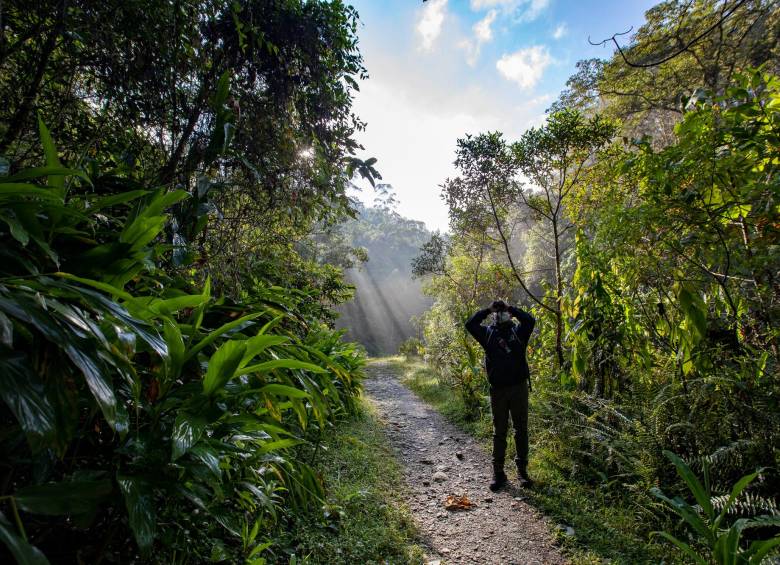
point(441, 69)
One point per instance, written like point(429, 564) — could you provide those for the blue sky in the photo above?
point(444, 68)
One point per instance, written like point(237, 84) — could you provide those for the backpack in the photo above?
point(491, 331)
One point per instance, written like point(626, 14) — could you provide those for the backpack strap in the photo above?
point(514, 331)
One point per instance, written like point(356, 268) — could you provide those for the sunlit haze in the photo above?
point(444, 68)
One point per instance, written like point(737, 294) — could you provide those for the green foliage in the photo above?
point(648, 97)
point(165, 352)
point(723, 542)
point(485, 198)
point(410, 348)
point(661, 310)
point(133, 403)
point(361, 520)
point(264, 152)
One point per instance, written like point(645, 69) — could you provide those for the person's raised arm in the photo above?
point(527, 322)
point(475, 327)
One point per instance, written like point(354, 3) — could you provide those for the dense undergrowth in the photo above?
point(167, 359)
point(152, 407)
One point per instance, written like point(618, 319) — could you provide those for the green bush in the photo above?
point(136, 404)
point(722, 541)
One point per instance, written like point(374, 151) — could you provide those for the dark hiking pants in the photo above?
point(503, 402)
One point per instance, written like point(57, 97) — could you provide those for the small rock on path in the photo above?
point(502, 528)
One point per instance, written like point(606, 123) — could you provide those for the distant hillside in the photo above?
point(386, 297)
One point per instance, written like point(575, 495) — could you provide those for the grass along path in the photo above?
point(440, 460)
point(362, 521)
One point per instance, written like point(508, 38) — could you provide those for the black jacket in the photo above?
point(504, 346)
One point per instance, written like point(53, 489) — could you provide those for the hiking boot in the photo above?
point(499, 480)
point(523, 478)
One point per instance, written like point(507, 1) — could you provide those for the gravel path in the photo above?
point(501, 528)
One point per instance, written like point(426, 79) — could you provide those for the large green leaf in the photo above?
point(758, 550)
point(215, 334)
point(699, 492)
point(38, 172)
point(280, 444)
point(258, 343)
point(115, 199)
point(284, 390)
point(694, 310)
point(6, 331)
point(208, 456)
point(163, 200)
point(52, 158)
point(726, 549)
point(73, 334)
point(139, 500)
point(142, 231)
point(687, 513)
point(151, 307)
point(197, 314)
point(99, 384)
point(105, 287)
point(15, 227)
point(141, 328)
point(10, 190)
point(175, 343)
point(685, 548)
point(223, 365)
point(740, 485)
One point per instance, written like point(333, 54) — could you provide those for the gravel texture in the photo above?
point(439, 461)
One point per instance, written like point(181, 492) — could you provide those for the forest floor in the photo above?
point(439, 461)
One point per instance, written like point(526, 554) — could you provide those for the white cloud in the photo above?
point(430, 24)
point(561, 30)
point(526, 66)
point(483, 4)
point(482, 29)
point(483, 33)
point(535, 7)
point(525, 10)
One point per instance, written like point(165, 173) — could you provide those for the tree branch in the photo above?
point(680, 51)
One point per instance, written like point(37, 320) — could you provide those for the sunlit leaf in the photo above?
point(223, 365)
point(187, 430)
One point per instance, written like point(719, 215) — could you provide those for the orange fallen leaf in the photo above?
point(454, 502)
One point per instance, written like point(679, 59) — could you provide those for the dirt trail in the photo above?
point(502, 528)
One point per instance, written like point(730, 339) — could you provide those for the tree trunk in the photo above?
point(168, 172)
point(558, 295)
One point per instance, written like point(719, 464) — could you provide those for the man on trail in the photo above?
point(505, 343)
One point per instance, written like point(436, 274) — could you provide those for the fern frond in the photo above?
point(747, 505)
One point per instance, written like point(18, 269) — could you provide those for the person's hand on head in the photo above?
point(498, 306)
